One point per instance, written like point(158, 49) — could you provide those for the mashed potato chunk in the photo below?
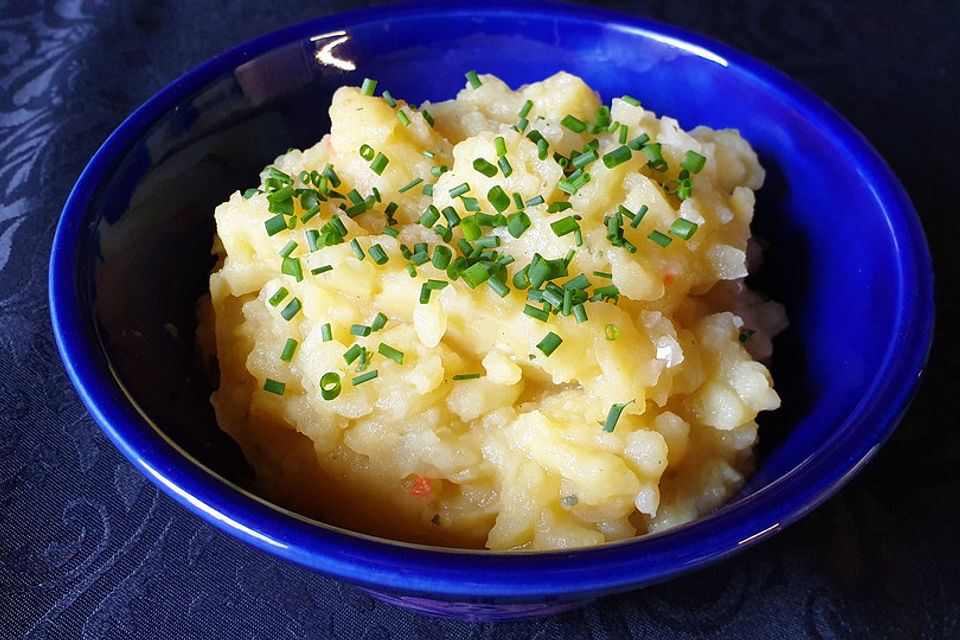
point(512, 320)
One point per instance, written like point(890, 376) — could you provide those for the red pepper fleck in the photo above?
point(421, 487)
point(668, 279)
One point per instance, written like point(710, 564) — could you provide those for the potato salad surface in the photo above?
point(512, 320)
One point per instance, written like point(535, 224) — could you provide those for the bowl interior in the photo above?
point(143, 254)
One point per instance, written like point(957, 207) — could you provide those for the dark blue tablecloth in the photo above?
point(90, 549)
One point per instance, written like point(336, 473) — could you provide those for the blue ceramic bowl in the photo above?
point(132, 254)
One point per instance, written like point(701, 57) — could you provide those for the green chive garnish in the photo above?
point(365, 377)
point(272, 386)
point(388, 351)
point(574, 124)
point(659, 238)
point(498, 198)
point(500, 145)
point(682, 228)
point(330, 385)
point(533, 312)
point(580, 313)
point(389, 98)
point(357, 251)
point(467, 376)
point(525, 109)
point(614, 415)
point(379, 322)
point(360, 330)
point(379, 164)
point(368, 87)
point(459, 190)
point(278, 297)
point(367, 152)
point(403, 118)
point(326, 332)
point(293, 308)
point(484, 167)
point(556, 207)
point(275, 225)
point(430, 216)
point(442, 256)
point(617, 156)
point(475, 275)
point(291, 267)
point(611, 332)
point(517, 223)
point(473, 79)
point(352, 353)
point(549, 343)
point(498, 286)
point(564, 226)
point(378, 254)
point(693, 162)
point(532, 202)
point(639, 216)
point(288, 350)
point(603, 274)
point(320, 270)
point(505, 167)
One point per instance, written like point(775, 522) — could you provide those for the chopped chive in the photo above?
point(293, 307)
point(614, 415)
point(518, 200)
point(427, 190)
point(442, 256)
point(682, 228)
point(580, 282)
point(275, 225)
point(484, 167)
point(367, 152)
point(320, 270)
point(573, 124)
point(278, 297)
point(331, 175)
point(412, 270)
point(249, 193)
point(379, 164)
point(368, 87)
point(603, 293)
point(420, 257)
point(525, 109)
point(436, 172)
point(498, 286)
point(659, 238)
point(389, 98)
point(637, 143)
point(655, 153)
point(578, 238)
point(281, 194)
point(292, 267)
point(403, 118)
point(564, 226)
point(288, 350)
point(532, 202)
point(360, 330)
point(430, 216)
point(390, 231)
point(309, 213)
point(425, 292)
point(436, 285)
point(351, 354)
point(378, 254)
point(572, 183)
point(288, 248)
point(379, 322)
point(471, 228)
point(521, 125)
point(467, 376)
point(470, 204)
point(611, 332)
point(365, 377)
point(693, 162)
point(428, 153)
point(623, 133)
point(533, 312)
point(639, 216)
point(394, 354)
point(580, 313)
point(500, 146)
point(453, 218)
point(488, 242)
point(549, 343)
point(330, 385)
point(630, 100)
point(473, 79)
point(542, 148)
point(505, 167)
point(517, 223)
point(497, 197)
point(410, 185)
point(273, 386)
point(556, 207)
point(357, 251)
point(603, 274)
point(443, 232)
point(326, 332)
point(459, 190)
point(585, 158)
point(475, 275)
point(602, 116)
point(617, 156)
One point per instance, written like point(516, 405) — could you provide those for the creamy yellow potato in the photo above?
point(486, 432)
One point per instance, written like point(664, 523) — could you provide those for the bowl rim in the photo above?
point(432, 571)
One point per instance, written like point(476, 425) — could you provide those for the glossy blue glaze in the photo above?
point(131, 254)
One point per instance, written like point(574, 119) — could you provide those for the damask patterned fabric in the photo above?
point(89, 549)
